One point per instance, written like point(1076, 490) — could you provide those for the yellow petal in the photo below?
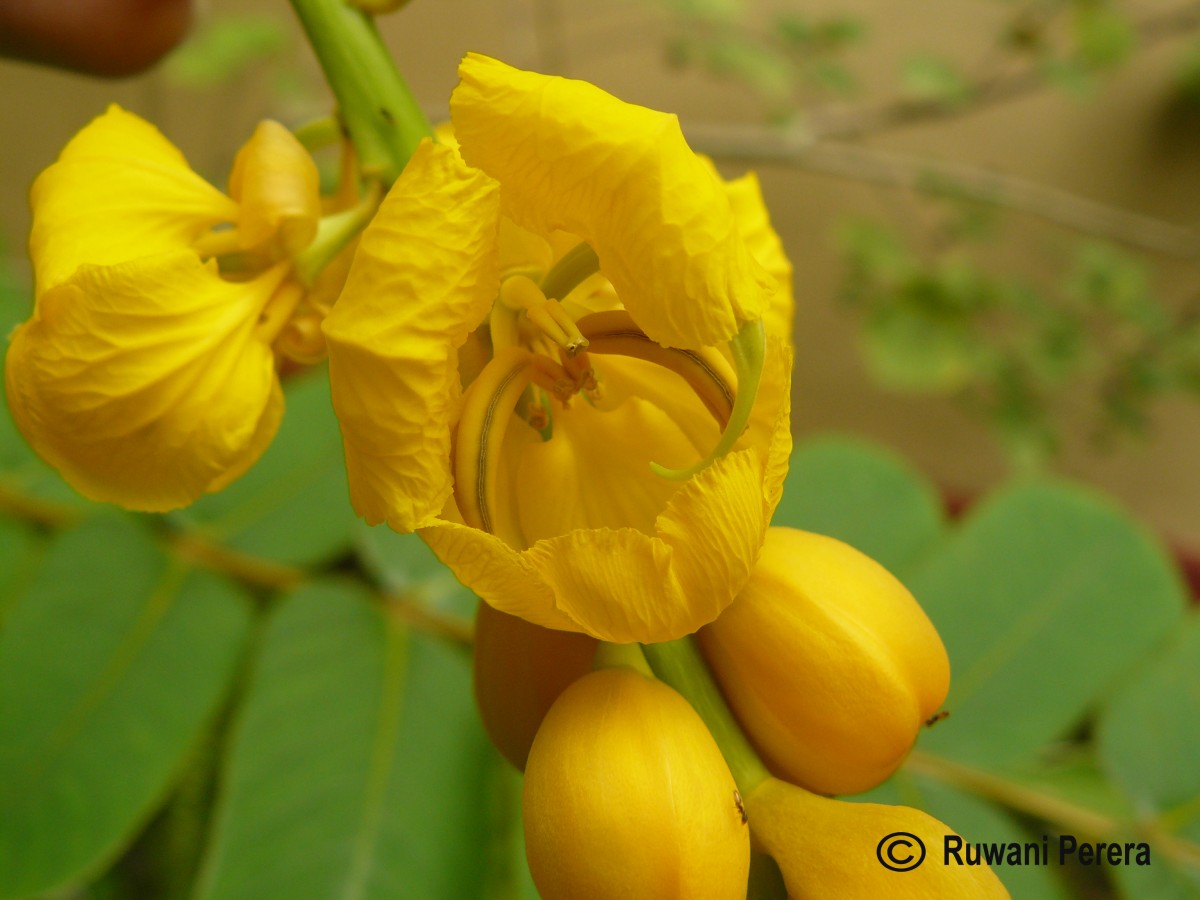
point(142, 383)
point(119, 191)
point(595, 470)
point(754, 223)
point(819, 842)
point(276, 183)
point(623, 584)
point(423, 278)
point(571, 157)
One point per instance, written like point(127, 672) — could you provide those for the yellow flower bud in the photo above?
point(828, 663)
point(520, 669)
point(830, 847)
point(627, 795)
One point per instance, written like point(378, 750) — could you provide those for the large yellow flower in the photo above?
point(524, 333)
point(146, 375)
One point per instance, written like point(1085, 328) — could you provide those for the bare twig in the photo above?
point(847, 122)
point(900, 170)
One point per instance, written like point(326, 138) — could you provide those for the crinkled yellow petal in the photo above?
point(522, 252)
point(276, 183)
point(754, 223)
point(498, 573)
point(622, 177)
point(143, 383)
point(423, 278)
point(622, 584)
point(119, 191)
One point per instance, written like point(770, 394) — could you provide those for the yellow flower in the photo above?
point(508, 400)
point(627, 795)
point(824, 845)
point(828, 662)
point(145, 374)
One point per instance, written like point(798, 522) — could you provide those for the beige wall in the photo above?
point(1129, 147)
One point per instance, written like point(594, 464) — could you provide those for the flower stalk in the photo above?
point(679, 664)
point(381, 115)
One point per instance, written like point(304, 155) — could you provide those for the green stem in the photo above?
point(381, 115)
point(612, 656)
point(334, 233)
point(679, 664)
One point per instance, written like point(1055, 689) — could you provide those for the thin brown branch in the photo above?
point(899, 170)
point(848, 122)
point(423, 618)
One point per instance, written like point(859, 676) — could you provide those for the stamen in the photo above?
point(748, 347)
point(520, 293)
point(218, 242)
point(705, 371)
point(487, 408)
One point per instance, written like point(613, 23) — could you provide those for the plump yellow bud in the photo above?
point(828, 663)
point(627, 795)
point(830, 848)
point(520, 669)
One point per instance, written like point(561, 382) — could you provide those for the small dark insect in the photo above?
point(386, 115)
point(741, 807)
point(936, 717)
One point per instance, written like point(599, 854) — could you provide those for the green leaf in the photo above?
point(864, 495)
point(223, 49)
point(1104, 36)
point(358, 768)
point(913, 348)
point(934, 79)
point(1147, 739)
point(1044, 597)
point(292, 507)
point(1148, 734)
point(110, 666)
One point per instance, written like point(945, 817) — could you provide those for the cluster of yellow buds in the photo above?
point(829, 666)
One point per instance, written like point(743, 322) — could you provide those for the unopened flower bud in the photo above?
point(859, 851)
point(828, 663)
point(520, 669)
point(627, 795)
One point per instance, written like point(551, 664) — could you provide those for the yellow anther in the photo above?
point(521, 293)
